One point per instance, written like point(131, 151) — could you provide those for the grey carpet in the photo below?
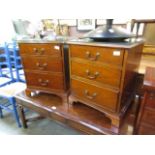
point(40, 127)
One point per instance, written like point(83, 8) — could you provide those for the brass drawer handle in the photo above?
point(42, 50)
point(152, 95)
point(92, 76)
point(35, 50)
point(41, 67)
point(38, 51)
point(88, 56)
point(87, 94)
point(43, 82)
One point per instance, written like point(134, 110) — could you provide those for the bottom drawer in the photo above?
point(146, 130)
point(149, 116)
point(95, 96)
point(44, 80)
point(150, 101)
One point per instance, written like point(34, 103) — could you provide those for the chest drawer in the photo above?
point(149, 116)
point(40, 49)
point(99, 54)
point(150, 101)
point(99, 73)
point(43, 80)
point(53, 64)
point(146, 130)
point(99, 97)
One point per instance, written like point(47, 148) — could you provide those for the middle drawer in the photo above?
point(99, 73)
point(43, 63)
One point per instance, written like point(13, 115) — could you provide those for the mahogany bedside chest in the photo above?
point(102, 76)
point(146, 117)
point(46, 67)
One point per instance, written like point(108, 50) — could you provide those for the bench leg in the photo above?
point(22, 116)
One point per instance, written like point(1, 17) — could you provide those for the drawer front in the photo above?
point(100, 97)
point(51, 64)
point(99, 73)
point(146, 130)
point(150, 101)
point(40, 49)
point(149, 116)
point(50, 81)
point(101, 54)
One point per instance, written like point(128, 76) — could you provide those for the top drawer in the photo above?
point(101, 54)
point(40, 49)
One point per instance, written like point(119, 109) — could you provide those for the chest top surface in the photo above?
point(126, 45)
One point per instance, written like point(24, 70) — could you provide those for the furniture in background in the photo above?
point(149, 47)
point(146, 117)
point(8, 85)
point(16, 62)
point(103, 75)
point(6, 73)
point(8, 101)
point(148, 55)
point(46, 67)
point(11, 66)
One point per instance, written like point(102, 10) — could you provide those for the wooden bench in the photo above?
point(78, 116)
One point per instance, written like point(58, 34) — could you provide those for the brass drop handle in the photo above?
point(38, 51)
point(35, 50)
point(151, 97)
point(41, 67)
point(42, 50)
point(87, 94)
point(88, 55)
point(43, 82)
point(90, 76)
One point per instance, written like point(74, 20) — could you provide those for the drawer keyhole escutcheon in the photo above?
point(92, 76)
point(88, 56)
point(87, 94)
point(152, 95)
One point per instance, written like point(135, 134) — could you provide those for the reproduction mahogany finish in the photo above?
point(102, 76)
point(146, 117)
point(78, 116)
point(46, 67)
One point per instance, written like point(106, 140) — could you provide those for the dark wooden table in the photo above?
point(146, 117)
point(78, 116)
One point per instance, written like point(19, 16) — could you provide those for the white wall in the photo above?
point(6, 30)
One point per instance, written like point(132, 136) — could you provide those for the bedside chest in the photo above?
point(146, 117)
point(45, 68)
point(102, 76)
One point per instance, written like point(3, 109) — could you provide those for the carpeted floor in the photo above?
point(39, 127)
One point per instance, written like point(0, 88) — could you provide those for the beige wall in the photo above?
point(149, 34)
